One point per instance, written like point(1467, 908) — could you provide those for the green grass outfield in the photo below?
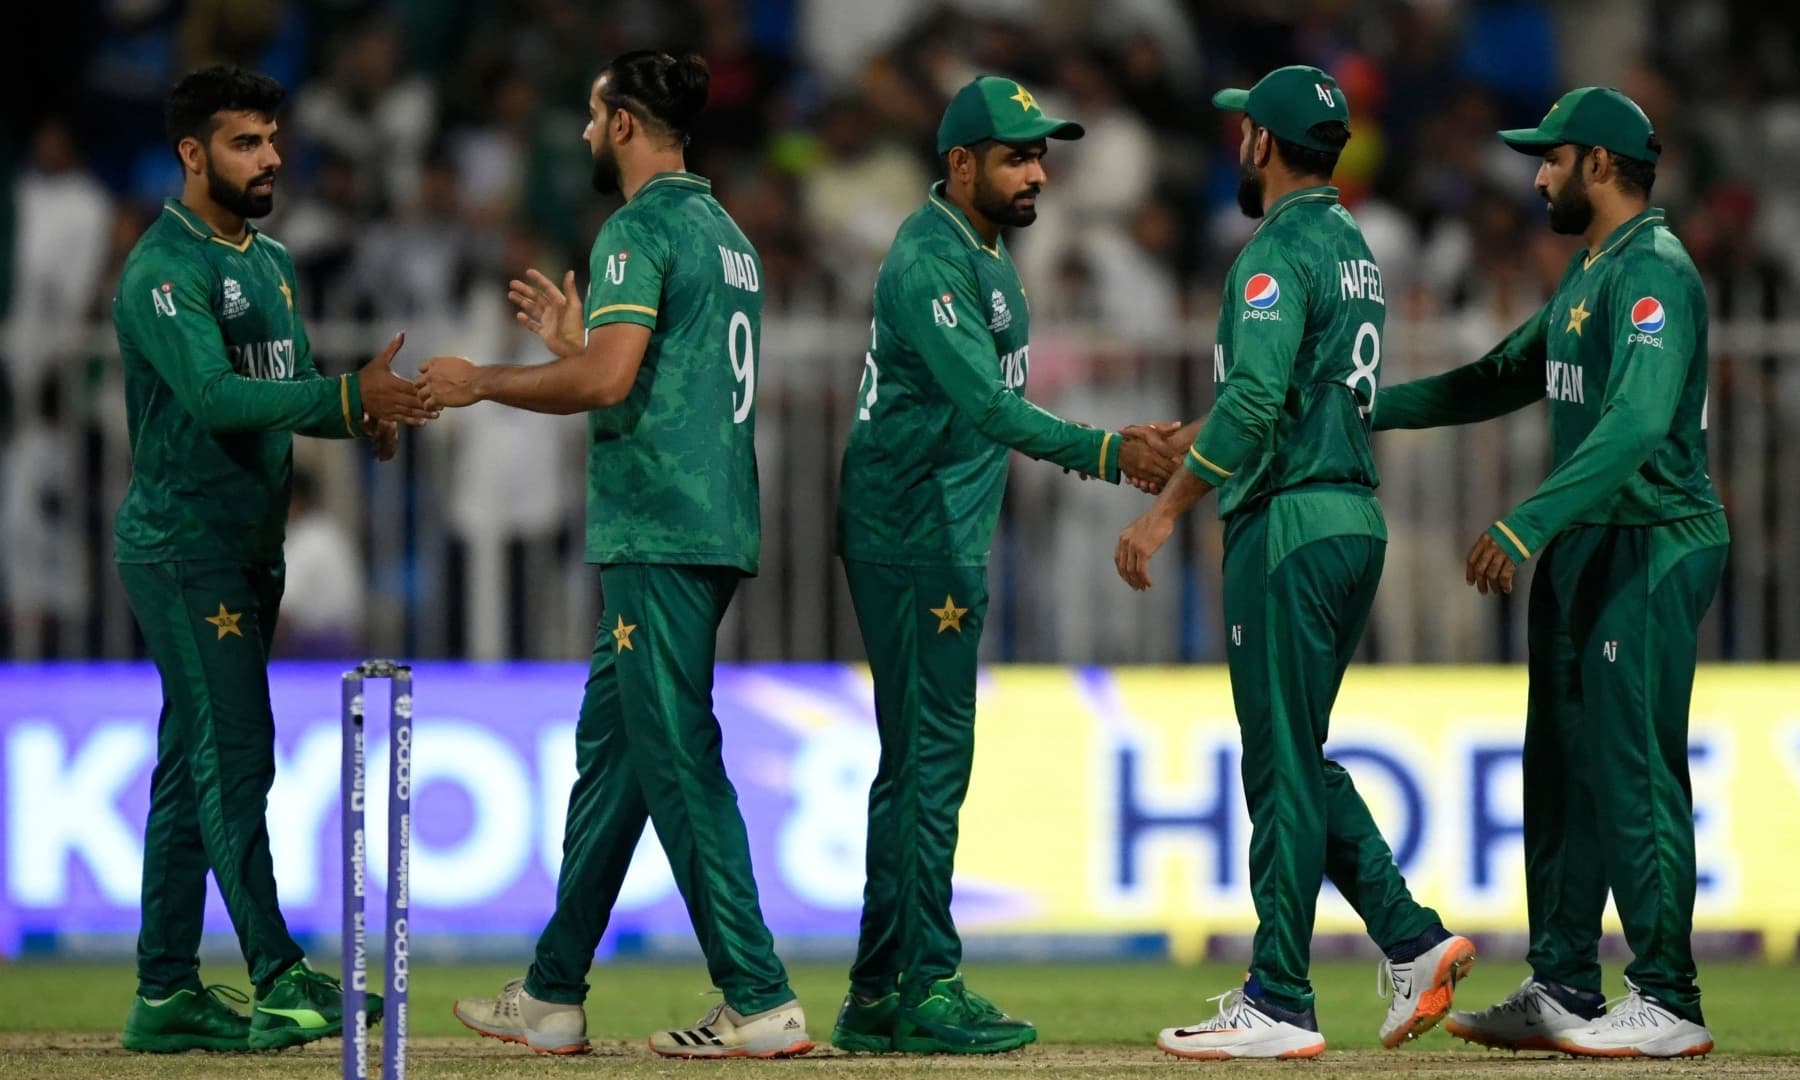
point(61, 1020)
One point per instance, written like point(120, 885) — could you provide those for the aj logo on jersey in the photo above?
point(942, 313)
point(164, 299)
point(615, 267)
point(1648, 317)
point(1261, 293)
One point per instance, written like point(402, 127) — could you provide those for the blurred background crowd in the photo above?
point(433, 149)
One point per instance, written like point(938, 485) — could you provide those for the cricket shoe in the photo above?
point(1637, 1026)
point(515, 1016)
point(953, 1019)
point(1419, 990)
point(866, 1026)
point(1245, 1028)
point(1530, 1018)
point(726, 1033)
point(187, 1020)
point(303, 1006)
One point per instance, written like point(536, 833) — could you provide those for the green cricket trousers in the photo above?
point(1295, 603)
point(208, 626)
point(648, 748)
point(921, 627)
point(1614, 620)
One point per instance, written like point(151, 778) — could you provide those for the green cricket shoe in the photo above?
point(188, 1020)
point(955, 1020)
point(303, 1006)
point(866, 1027)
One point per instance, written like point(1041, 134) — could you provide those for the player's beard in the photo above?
point(605, 178)
point(1249, 189)
point(236, 199)
point(1571, 211)
point(1003, 210)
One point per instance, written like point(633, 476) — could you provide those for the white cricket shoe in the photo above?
point(724, 1033)
point(1529, 1018)
point(515, 1016)
point(1241, 1030)
point(1419, 990)
point(1637, 1026)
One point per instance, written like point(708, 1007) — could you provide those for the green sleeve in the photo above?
point(1508, 378)
point(305, 368)
point(1643, 389)
point(1261, 364)
point(939, 313)
point(625, 272)
point(166, 312)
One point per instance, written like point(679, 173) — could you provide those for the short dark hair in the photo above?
point(1304, 160)
point(659, 88)
point(979, 149)
point(194, 104)
point(1636, 176)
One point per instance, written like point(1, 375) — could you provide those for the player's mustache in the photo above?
point(260, 178)
point(1028, 193)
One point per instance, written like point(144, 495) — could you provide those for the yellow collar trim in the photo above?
point(207, 234)
point(1589, 261)
point(957, 220)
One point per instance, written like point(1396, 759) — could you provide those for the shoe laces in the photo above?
point(1633, 1010)
point(712, 1015)
point(974, 1004)
point(1522, 1000)
point(221, 995)
point(1388, 975)
point(1231, 1003)
point(508, 1001)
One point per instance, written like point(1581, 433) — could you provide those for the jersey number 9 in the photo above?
point(743, 365)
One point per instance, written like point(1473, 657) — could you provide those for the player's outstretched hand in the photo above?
point(1143, 465)
point(553, 314)
point(386, 396)
point(448, 382)
point(1490, 568)
point(1138, 543)
point(384, 436)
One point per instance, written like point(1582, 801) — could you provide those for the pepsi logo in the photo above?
point(1647, 315)
point(1261, 292)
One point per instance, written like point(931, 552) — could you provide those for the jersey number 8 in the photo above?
point(1365, 372)
point(743, 365)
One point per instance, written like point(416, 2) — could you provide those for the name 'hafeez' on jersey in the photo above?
point(672, 468)
point(1298, 357)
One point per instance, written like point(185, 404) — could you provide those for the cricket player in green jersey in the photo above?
point(1296, 366)
point(939, 411)
point(664, 363)
point(219, 377)
point(1631, 542)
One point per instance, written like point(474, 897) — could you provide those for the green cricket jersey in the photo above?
point(1297, 363)
point(1620, 352)
point(672, 468)
point(218, 378)
point(941, 401)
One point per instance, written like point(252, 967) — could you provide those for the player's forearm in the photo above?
point(569, 384)
point(1185, 488)
point(1010, 419)
point(232, 403)
point(1620, 443)
point(1239, 423)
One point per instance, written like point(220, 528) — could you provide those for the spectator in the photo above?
point(322, 607)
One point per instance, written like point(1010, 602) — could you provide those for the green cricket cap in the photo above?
point(990, 107)
point(1590, 116)
point(1290, 100)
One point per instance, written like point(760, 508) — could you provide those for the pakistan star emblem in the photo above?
point(1024, 98)
point(949, 616)
point(1577, 315)
point(227, 622)
point(622, 634)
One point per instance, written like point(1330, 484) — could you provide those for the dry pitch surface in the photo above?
point(59, 1021)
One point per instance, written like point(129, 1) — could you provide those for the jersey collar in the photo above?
point(682, 181)
point(202, 230)
point(1652, 215)
point(960, 220)
point(1310, 194)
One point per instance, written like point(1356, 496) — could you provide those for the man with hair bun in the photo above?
point(662, 356)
